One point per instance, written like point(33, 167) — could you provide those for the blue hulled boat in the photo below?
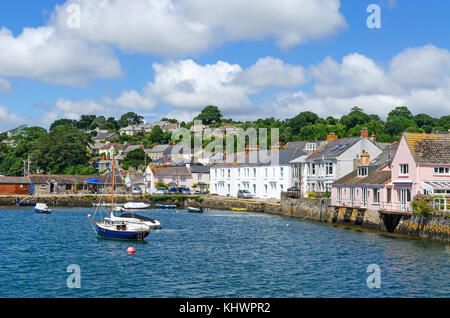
point(162, 206)
point(119, 228)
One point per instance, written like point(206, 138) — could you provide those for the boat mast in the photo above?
point(113, 179)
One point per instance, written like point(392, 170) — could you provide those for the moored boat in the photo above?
point(195, 210)
point(42, 208)
point(120, 228)
point(136, 206)
point(163, 206)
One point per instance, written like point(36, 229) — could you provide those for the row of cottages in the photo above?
point(421, 165)
point(185, 176)
point(146, 128)
point(316, 171)
point(264, 173)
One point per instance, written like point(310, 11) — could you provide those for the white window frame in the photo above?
point(402, 172)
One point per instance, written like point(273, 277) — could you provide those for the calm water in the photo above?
point(217, 254)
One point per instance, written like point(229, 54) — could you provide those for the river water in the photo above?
point(215, 254)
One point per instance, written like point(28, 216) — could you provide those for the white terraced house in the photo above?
point(265, 174)
point(333, 161)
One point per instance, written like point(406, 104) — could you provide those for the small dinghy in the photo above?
point(195, 210)
point(136, 206)
point(162, 206)
point(42, 208)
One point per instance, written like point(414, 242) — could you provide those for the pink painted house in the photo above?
point(421, 165)
point(173, 176)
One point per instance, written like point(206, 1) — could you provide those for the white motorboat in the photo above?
point(42, 208)
point(136, 206)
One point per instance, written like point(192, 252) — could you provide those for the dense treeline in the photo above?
point(63, 148)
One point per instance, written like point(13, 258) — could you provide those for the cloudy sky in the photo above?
point(252, 58)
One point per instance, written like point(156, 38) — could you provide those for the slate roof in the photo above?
point(70, 179)
point(159, 148)
point(334, 148)
point(104, 136)
point(14, 180)
point(429, 148)
point(170, 171)
point(283, 156)
point(199, 168)
point(386, 156)
point(375, 177)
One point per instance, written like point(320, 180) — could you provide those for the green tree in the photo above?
point(424, 119)
point(301, 120)
point(355, 117)
point(130, 118)
point(444, 121)
point(63, 122)
point(135, 159)
point(61, 148)
point(156, 134)
point(210, 115)
point(396, 126)
point(400, 112)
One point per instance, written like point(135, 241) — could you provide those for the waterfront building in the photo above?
point(200, 176)
point(364, 187)
point(420, 166)
point(334, 160)
point(264, 173)
point(69, 184)
point(15, 186)
point(173, 176)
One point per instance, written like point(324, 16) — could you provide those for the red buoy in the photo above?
point(131, 250)
point(89, 216)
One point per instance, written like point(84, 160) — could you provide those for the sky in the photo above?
point(251, 58)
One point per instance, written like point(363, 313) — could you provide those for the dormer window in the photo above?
point(363, 172)
point(404, 169)
point(311, 146)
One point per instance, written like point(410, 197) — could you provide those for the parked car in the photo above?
point(244, 194)
point(162, 191)
point(186, 191)
point(173, 191)
point(136, 190)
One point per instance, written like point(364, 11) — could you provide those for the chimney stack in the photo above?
point(365, 159)
point(331, 136)
point(373, 138)
point(364, 133)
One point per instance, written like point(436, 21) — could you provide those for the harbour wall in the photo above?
point(434, 228)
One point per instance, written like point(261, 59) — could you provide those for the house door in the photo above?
point(405, 199)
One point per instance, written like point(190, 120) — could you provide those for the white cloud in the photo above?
point(5, 86)
point(190, 85)
point(356, 75)
point(272, 72)
point(43, 54)
point(186, 27)
point(8, 120)
point(422, 67)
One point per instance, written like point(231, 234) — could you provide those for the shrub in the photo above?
point(311, 194)
point(421, 207)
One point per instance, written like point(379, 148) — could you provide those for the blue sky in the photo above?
point(157, 69)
